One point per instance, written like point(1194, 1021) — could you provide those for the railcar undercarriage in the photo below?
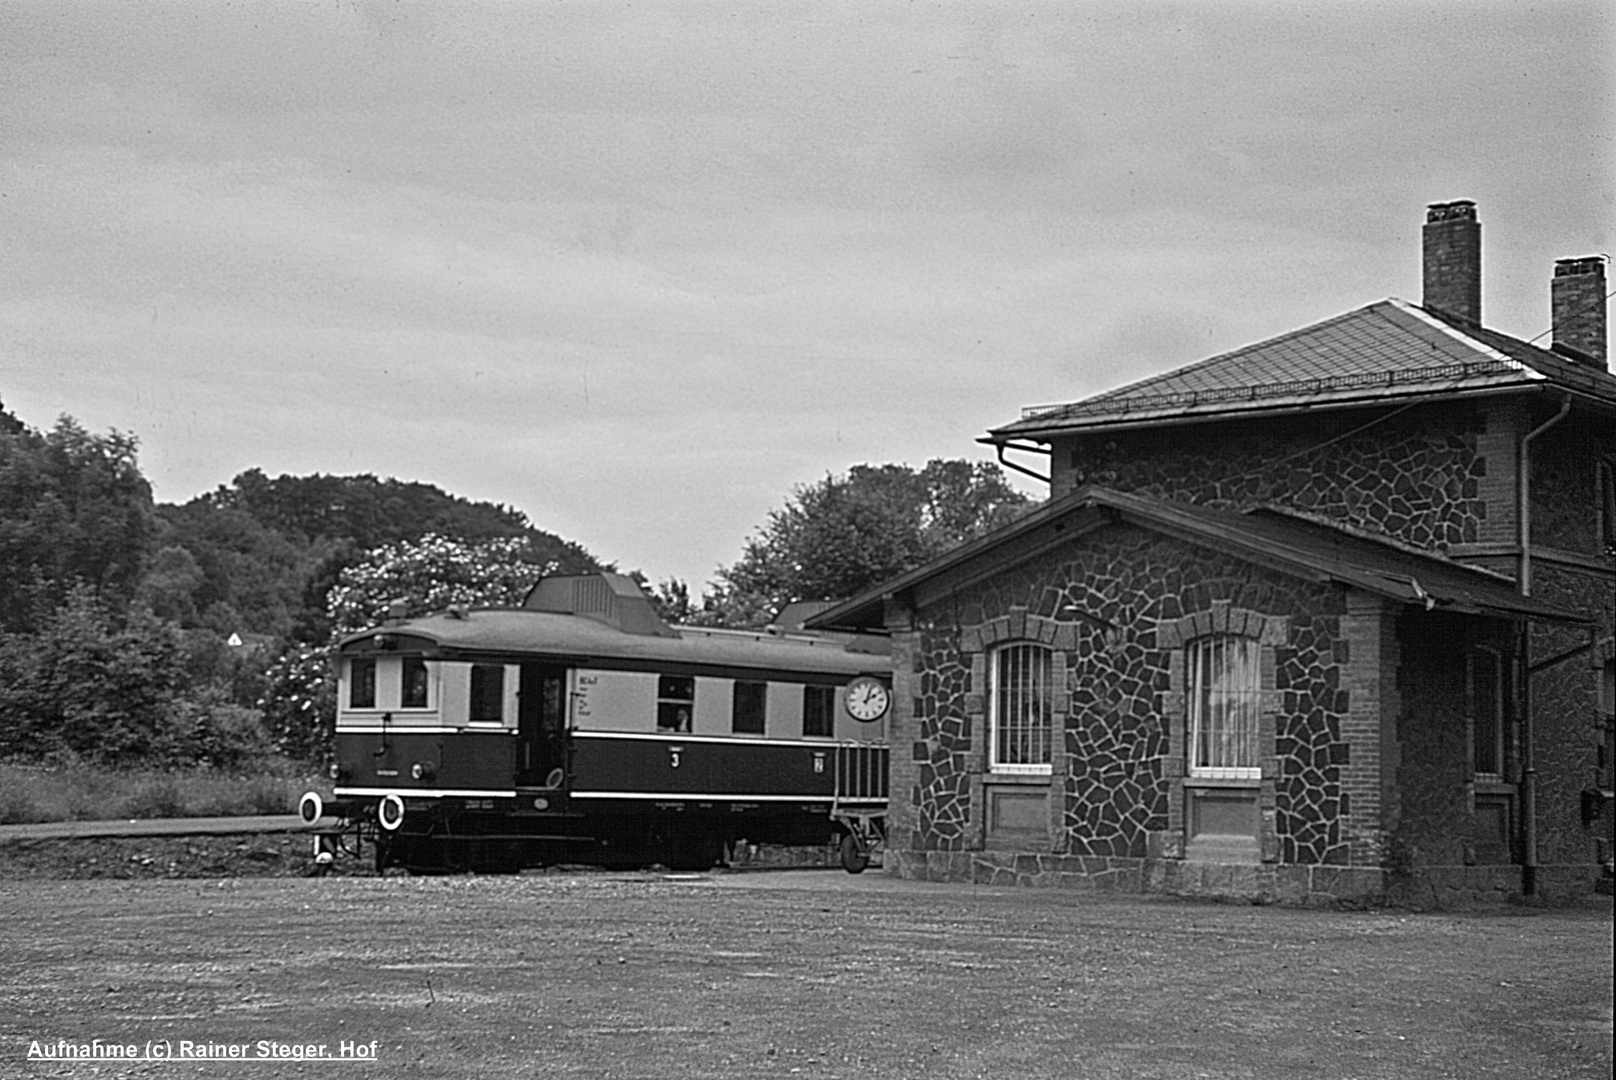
point(446, 836)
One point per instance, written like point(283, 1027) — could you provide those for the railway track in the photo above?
point(215, 826)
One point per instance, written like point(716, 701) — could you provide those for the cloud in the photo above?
point(639, 269)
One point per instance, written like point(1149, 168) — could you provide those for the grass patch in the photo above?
point(81, 792)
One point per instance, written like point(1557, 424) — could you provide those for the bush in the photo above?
point(299, 706)
point(120, 689)
point(158, 798)
point(80, 791)
point(222, 735)
point(17, 808)
point(93, 684)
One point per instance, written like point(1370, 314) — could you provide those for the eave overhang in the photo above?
point(1390, 353)
point(1298, 548)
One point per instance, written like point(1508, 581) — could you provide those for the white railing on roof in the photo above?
point(1191, 398)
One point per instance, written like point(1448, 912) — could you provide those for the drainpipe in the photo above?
point(1007, 463)
point(1523, 487)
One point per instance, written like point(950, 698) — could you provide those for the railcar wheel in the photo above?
point(854, 855)
point(390, 812)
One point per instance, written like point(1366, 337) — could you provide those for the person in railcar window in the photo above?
point(676, 697)
point(414, 695)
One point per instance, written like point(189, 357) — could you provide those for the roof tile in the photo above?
point(1385, 351)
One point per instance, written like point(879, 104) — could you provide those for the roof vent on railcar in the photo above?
point(605, 597)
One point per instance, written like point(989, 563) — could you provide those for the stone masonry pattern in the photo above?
point(1415, 481)
point(1125, 581)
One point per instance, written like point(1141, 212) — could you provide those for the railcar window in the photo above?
point(819, 710)
point(414, 695)
point(676, 699)
point(361, 684)
point(487, 693)
point(751, 705)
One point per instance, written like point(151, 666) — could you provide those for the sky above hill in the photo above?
point(637, 270)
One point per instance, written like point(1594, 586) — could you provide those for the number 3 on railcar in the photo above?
point(581, 728)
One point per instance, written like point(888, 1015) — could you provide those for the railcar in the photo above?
point(581, 728)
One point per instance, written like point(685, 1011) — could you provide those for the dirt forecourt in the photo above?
point(805, 973)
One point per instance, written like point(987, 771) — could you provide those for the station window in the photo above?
point(361, 684)
point(1225, 699)
point(414, 693)
point(676, 701)
point(487, 693)
point(819, 711)
point(1022, 708)
point(1485, 676)
point(751, 704)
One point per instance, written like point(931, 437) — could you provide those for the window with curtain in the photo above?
point(1225, 699)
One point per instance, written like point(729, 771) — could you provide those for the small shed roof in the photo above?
point(1301, 547)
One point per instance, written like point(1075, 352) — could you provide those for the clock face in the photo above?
point(868, 699)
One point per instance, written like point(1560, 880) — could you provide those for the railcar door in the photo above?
point(541, 725)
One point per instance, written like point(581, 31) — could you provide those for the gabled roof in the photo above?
point(1296, 546)
point(1387, 352)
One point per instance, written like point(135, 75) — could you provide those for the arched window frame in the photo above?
point(1173, 635)
point(1223, 707)
point(1021, 708)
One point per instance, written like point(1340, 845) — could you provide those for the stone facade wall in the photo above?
point(1101, 601)
point(1565, 703)
point(1564, 460)
point(1416, 476)
point(1436, 823)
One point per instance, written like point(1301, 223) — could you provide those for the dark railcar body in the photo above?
point(505, 738)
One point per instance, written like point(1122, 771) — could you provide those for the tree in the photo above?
point(271, 550)
point(848, 533)
point(114, 686)
point(433, 573)
point(429, 574)
point(74, 509)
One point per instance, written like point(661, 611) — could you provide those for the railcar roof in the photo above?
point(512, 634)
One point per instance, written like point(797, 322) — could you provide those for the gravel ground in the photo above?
point(589, 974)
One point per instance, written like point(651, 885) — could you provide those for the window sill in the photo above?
point(1017, 778)
point(1251, 782)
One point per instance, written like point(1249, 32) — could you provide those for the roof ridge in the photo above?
point(1465, 337)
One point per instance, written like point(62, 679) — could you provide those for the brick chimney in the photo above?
point(1453, 260)
point(1577, 308)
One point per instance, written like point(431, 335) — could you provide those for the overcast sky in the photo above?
point(638, 270)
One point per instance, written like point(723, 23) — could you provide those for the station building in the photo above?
point(1323, 619)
